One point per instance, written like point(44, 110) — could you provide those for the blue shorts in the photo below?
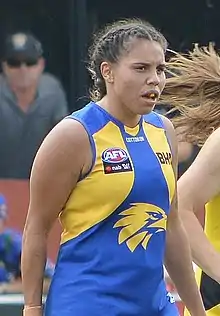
point(169, 310)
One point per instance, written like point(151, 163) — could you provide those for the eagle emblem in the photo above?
point(139, 223)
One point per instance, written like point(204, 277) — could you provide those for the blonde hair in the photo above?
point(194, 90)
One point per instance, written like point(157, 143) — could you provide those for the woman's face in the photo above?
point(138, 76)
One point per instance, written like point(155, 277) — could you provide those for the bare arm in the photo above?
point(178, 260)
point(16, 286)
point(64, 154)
point(199, 184)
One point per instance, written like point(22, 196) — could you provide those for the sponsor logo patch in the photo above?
point(116, 160)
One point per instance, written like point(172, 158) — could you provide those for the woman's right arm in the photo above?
point(63, 156)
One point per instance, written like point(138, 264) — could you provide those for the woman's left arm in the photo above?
point(178, 259)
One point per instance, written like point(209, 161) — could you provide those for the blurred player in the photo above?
point(10, 256)
point(195, 92)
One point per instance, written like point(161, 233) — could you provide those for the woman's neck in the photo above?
point(120, 112)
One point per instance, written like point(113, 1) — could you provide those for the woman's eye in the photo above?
point(141, 68)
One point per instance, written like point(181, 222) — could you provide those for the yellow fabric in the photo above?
point(157, 143)
point(212, 230)
point(90, 203)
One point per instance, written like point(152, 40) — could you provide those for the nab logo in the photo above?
point(164, 158)
point(116, 160)
point(114, 155)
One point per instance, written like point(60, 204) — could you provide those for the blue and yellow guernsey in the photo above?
point(114, 223)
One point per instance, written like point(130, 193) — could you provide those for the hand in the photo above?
point(33, 311)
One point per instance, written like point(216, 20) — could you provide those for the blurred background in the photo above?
point(63, 29)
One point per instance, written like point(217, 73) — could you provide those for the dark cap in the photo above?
point(22, 45)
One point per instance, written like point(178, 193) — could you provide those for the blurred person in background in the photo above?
point(31, 103)
point(10, 255)
point(195, 92)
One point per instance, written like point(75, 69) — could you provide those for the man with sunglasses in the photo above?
point(31, 103)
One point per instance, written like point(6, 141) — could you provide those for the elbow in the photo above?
point(187, 216)
point(34, 239)
point(185, 206)
point(188, 211)
point(35, 228)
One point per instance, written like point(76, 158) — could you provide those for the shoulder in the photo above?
point(168, 125)
point(163, 122)
point(67, 134)
point(65, 147)
point(159, 120)
point(4, 86)
point(154, 119)
point(92, 117)
point(210, 151)
point(214, 138)
point(201, 182)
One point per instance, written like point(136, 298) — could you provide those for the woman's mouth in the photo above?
point(151, 95)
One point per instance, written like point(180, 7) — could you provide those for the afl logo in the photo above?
point(114, 155)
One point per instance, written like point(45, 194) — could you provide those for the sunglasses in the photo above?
point(16, 63)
